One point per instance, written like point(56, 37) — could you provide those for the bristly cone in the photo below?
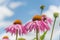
point(37, 17)
point(17, 22)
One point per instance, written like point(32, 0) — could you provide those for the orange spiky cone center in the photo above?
point(37, 17)
point(17, 22)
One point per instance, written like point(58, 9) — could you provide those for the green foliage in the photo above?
point(21, 39)
point(43, 35)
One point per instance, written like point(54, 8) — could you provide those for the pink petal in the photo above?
point(46, 26)
point(49, 20)
point(28, 25)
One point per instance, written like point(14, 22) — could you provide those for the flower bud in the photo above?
point(56, 14)
point(42, 7)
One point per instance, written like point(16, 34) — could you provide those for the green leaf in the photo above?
point(43, 35)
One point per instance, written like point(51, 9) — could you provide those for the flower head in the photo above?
point(38, 23)
point(16, 26)
point(56, 14)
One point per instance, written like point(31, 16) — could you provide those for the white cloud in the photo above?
point(16, 4)
point(2, 1)
point(5, 12)
point(51, 10)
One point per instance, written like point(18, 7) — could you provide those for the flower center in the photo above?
point(17, 22)
point(37, 17)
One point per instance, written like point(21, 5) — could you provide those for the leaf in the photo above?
point(43, 35)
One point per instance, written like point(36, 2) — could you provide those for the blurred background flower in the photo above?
point(5, 38)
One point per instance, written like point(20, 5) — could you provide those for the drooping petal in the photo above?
point(45, 25)
point(24, 30)
point(31, 27)
point(28, 25)
point(37, 25)
point(49, 20)
point(42, 27)
point(12, 29)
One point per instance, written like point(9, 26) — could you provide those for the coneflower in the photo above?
point(5, 38)
point(16, 28)
point(37, 24)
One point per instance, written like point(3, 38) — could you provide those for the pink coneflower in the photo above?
point(5, 38)
point(38, 23)
point(16, 28)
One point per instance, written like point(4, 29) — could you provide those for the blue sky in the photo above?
point(30, 8)
point(24, 10)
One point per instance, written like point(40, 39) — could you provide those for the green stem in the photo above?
point(41, 11)
point(53, 29)
point(16, 34)
point(37, 34)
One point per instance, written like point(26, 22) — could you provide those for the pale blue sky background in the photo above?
point(24, 10)
point(31, 8)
